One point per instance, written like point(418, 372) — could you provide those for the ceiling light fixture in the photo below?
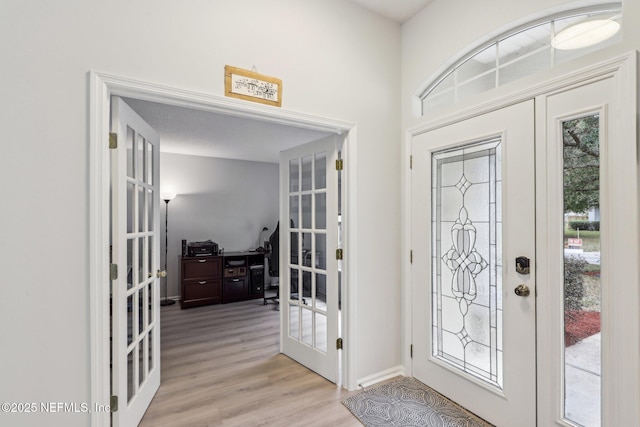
point(585, 34)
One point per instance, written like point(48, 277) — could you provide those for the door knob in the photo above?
point(161, 273)
point(522, 291)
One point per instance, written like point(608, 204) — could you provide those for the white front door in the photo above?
point(135, 242)
point(473, 221)
point(308, 266)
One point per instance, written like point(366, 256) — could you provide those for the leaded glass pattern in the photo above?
point(466, 259)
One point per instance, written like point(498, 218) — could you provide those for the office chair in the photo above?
point(274, 261)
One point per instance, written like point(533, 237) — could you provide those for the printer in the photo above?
point(205, 248)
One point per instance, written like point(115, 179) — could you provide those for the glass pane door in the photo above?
point(309, 230)
point(136, 253)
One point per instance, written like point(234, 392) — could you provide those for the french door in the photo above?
point(135, 243)
point(473, 280)
point(308, 266)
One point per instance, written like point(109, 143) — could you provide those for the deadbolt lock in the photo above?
point(522, 265)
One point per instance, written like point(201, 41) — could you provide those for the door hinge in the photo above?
point(411, 162)
point(113, 140)
point(113, 404)
point(411, 351)
point(339, 254)
point(339, 164)
point(411, 256)
point(339, 344)
point(113, 271)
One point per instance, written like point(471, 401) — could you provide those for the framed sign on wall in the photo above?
point(252, 86)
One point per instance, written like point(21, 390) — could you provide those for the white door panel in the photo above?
point(473, 206)
point(135, 228)
point(308, 266)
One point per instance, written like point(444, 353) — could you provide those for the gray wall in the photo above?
point(227, 201)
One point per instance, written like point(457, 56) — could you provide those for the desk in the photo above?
point(231, 277)
point(243, 276)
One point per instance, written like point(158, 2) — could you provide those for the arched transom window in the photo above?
point(523, 51)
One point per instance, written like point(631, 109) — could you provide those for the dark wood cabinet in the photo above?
point(241, 279)
point(235, 276)
point(235, 289)
point(201, 281)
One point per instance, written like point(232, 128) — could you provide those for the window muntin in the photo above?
point(515, 54)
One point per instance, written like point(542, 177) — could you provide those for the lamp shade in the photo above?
point(167, 197)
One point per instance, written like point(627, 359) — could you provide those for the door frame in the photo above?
point(102, 87)
point(621, 381)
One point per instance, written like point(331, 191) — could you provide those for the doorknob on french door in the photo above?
point(522, 290)
point(161, 273)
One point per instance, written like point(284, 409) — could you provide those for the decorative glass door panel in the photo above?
point(473, 326)
point(309, 233)
point(467, 253)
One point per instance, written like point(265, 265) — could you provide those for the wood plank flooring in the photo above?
point(221, 366)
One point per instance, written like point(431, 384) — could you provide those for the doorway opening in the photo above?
point(103, 87)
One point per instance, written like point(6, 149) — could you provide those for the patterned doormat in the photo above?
point(408, 402)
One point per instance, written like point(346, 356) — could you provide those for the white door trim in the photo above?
point(623, 385)
point(102, 87)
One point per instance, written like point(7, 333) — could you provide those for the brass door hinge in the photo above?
point(113, 140)
point(113, 271)
point(339, 164)
point(339, 254)
point(113, 404)
point(339, 344)
point(411, 351)
point(411, 256)
point(410, 162)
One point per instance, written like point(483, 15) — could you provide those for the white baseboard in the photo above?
point(381, 376)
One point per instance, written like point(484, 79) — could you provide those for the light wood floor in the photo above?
point(221, 366)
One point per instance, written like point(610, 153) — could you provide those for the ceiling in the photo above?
point(397, 10)
point(201, 133)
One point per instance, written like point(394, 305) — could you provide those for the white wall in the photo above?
point(334, 59)
point(227, 201)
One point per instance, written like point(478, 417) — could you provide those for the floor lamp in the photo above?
point(167, 197)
